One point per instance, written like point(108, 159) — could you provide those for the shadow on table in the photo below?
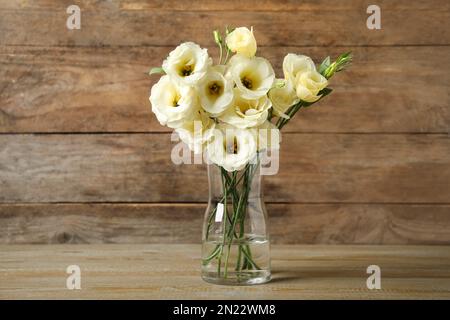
point(283, 276)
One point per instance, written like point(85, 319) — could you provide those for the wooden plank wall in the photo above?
point(83, 160)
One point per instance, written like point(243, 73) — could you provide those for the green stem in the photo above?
point(290, 113)
point(224, 225)
point(236, 214)
point(249, 260)
point(239, 215)
point(241, 232)
point(220, 54)
point(239, 257)
point(213, 212)
point(239, 210)
point(212, 255)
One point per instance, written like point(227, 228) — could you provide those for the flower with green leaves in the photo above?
point(242, 94)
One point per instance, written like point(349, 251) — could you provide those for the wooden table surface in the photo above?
point(172, 272)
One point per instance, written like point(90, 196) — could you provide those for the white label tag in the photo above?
point(219, 212)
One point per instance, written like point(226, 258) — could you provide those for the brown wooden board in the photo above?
point(182, 223)
point(388, 89)
point(350, 168)
point(83, 159)
point(305, 23)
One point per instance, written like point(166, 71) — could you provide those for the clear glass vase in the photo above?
point(236, 248)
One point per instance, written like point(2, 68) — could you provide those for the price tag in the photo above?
point(219, 212)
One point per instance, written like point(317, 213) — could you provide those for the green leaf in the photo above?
point(323, 93)
point(343, 61)
point(324, 65)
point(156, 70)
point(228, 30)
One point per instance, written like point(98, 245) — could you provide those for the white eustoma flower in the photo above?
point(241, 40)
point(309, 84)
point(245, 113)
point(283, 96)
point(252, 76)
point(215, 91)
point(294, 64)
point(187, 63)
point(301, 72)
point(197, 131)
point(231, 148)
point(173, 104)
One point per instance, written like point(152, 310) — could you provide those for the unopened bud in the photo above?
point(217, 37)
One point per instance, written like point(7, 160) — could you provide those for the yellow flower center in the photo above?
point(186, 70)
point(175, 101)
point(247, 82)
point(215, 89)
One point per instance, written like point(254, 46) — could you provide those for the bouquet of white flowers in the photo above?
point(232, 110)
point(235, 99)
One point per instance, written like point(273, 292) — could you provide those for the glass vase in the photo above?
point(236, 248)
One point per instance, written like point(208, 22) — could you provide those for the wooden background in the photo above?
point(83, 160)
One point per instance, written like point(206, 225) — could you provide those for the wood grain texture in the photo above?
point(317, 168)
point(303, 23)
point(388, 89)
point(173, 272)
point(181, 223)
point(83, 160)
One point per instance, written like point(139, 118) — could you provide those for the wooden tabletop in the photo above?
point(173, 272)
